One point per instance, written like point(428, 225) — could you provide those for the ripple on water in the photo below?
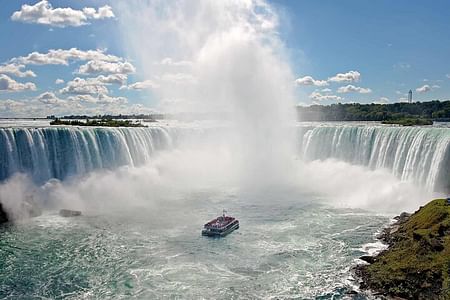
point(302, 252)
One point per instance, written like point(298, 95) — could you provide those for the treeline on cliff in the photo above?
point(432, 110)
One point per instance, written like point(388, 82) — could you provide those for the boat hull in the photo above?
point(222, 233)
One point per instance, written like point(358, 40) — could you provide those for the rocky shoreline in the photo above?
point(416, 264)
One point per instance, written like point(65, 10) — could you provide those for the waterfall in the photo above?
point(46, 153)
point(411, 153)
point(418, 154)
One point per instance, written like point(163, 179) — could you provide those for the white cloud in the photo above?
point(141, 85)
point(353, 89)
point(100, 99)
point(59, 81)
point(326, 90)
point(16, 70)
point(93, 86)
point(448, 76)
point(43, 13)
point(99, 66)
point(308, 80)
point(424, 89)
point(382, 100)
point(63, 57)
point(10, 85)
point(321, 97)
point(351, 76)
point(10, 105)
point(435, 86)
point(84, 86)
point(103, 12)
point(49, 98)
point(119, 79)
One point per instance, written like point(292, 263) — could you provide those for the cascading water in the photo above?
point(411, 153)
point(45, 153)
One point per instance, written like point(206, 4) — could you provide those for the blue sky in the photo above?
point(381, 49)
point(395, 45)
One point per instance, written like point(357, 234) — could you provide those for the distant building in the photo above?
point(410, 96)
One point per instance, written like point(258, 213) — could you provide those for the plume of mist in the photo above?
point(220, 57)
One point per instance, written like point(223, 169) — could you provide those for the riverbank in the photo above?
point(95, 122)
point(416, 264)
point(408, 122)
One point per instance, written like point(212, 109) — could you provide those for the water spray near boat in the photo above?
point(220, 226)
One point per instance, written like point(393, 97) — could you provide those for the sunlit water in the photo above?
point(286, 248)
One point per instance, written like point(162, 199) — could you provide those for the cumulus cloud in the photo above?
point(308, 80)
point(99, 99)
point(316, 96)
point(353, 89)
point(43, 13)
point(49, 98)
point(10, 105)
point(59, 81)
point(141, 85)
point(63, 57)
point(100, 66)
point(424, 89)
point(84, 87)
point(351, 76)
point(16, 70)
point(119, 79)
point(10, 85)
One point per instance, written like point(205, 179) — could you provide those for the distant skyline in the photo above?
point(70, 56)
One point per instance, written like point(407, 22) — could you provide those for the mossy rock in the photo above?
point(417, 263)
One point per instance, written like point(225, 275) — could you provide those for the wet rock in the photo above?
point(3, 215)
point(369, 259)
point(402, 218)
point(69, 213)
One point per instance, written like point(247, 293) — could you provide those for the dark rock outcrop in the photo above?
point(416, 264)
point(3, 215)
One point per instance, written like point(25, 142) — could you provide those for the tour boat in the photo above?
point(220, 226)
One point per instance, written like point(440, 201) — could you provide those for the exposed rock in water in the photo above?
point(69, 213)
point(3, 215)
point(416, 264)
point(18, 209)
point(369, 259)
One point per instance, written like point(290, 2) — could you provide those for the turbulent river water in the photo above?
point(144, 241)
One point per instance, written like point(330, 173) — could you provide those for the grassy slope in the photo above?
point(409, 121)
point(417, 265)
